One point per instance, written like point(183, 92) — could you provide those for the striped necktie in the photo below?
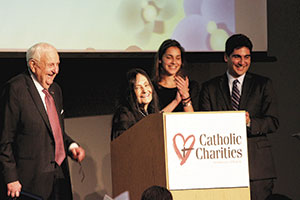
point(235, 95)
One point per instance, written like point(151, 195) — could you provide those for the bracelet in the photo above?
point(185, 104)
point(186, 98)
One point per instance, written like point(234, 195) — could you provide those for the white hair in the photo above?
point(35, 51)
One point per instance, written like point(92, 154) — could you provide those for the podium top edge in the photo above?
point(204, 112)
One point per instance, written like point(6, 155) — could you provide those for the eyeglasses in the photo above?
point(81, 172)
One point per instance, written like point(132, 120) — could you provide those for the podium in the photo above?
point(149, 153)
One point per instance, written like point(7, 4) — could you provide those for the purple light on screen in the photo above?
point(191, 31)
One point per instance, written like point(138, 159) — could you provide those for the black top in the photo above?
point(123, 119)
point(167, 95)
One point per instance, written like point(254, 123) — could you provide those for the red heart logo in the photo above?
point(183, 157)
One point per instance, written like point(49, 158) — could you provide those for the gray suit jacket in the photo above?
point(27, 147)
point(258, 98)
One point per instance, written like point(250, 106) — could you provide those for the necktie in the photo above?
point(235, 95)
point(56, 129)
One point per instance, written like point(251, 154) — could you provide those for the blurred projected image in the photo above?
point(199, 25)
point(144, 18)
point(206, 25)
point(117, 25)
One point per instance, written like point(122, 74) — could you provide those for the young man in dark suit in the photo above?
point(239, 89)
point(33, 142)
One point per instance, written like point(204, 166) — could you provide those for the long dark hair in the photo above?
point(129, 99)
point(158, 68)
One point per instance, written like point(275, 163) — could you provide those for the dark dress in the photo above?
point(123, 119)
point(167, 95)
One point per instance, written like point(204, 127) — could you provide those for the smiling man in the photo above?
point(239, 89)
point(33, 143)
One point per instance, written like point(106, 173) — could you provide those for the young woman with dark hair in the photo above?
point(175, 91)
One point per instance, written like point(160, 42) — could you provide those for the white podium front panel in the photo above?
point(206, 150)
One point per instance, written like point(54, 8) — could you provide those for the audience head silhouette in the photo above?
point(156, 192)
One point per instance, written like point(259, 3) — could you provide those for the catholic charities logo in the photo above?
point(209, 147)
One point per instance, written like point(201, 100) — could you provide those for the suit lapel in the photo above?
point(224, 90)
point(37, 99)
point(247, 85)
point(55, 97)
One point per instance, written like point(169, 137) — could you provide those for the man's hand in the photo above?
point(14, 189)
point(248, 119)
point(78, 153)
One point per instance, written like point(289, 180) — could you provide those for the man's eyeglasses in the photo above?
point(81, 172)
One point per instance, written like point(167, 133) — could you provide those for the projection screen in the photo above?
point(130, 25)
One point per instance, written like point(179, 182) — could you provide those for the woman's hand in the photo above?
point(182, 86)
point(171, 106)
point(178, 98)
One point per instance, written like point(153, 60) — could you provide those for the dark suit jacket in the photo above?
point(26, 142)
point(258, 98)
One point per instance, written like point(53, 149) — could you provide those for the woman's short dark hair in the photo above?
point(158, 69)
point(156, 192)
point(237, 41)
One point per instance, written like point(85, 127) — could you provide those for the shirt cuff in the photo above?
point(73, 145)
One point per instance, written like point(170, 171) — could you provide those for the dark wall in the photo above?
point(284, 43)
point(90, 83)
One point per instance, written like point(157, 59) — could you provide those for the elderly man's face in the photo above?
point(47, 68)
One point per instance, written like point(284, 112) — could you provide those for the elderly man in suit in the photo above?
point(33, 143)
point(239, 89)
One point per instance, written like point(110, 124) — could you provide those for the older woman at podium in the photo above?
point(140, 99)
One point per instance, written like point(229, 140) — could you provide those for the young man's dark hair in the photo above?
point(237, 41)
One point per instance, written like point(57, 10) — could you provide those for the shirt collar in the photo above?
point(38, 86)
point(231, 78)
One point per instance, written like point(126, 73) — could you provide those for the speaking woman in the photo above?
point(140, 99)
